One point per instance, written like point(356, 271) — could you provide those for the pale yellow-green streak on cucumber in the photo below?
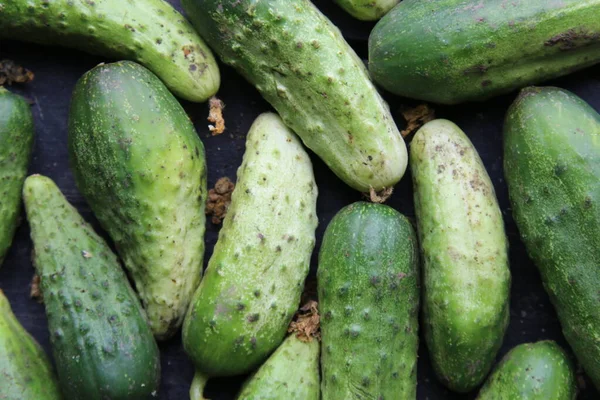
point(464, 246)
point(367, 10)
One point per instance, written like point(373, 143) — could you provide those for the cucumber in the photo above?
point(301, 64)
point(367, 10)
point(368, 286)
point(532, 371)
point(252, 286)
point(150, 32)
point(16, 143)
point(292, 373)
point(25, 371)
point(100, 339)
point(452, 51)
point(466, 275)
point(552, 168)
point(140, 165)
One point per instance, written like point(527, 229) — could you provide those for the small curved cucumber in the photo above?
point(532, 371)
point(242, 308)
point(291, 373)
point(25, 371)
point(367, 10)
point(100, 338)
point(16, 142)
point(301, 64)
point(140, 165)
point(150, 32)
point(368, 285)
point(465, 262)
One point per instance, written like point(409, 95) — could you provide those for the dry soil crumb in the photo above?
point(306, 322)
point(416, 118)
point(219, 199)
point(36, 292)
point(215, 116)
point(12, 73)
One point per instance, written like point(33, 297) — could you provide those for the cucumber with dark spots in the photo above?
point(240, 313)
point(368, 286)
point(452, 51)
point(139, 163)
point(466, 276)
point(301, 64)
point(532, 371)
point(101, 341)
point(16, 143)
point(150, 32)
point(552, 168)
point(25, 370)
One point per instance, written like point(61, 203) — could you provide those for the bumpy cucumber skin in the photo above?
point(292, 373)
point(532, 371)
point(552, 168)
point(466, 275)
point(368, 285)
point(100, 338)
point(452, 51)
point(367, 10)
point(150, 32)
point(16, 143)
point(301, 64)
point(25, 371)
point(256, 274)
point(139, 163)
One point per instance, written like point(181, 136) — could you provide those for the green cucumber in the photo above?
point(552, 168)
point(25, 370)
point(466, 276)
point(100, 338)
point(291, 373)
point(16, 143)
point(140, 165)
point(452, 51)
point(368, 286)
point(240, 313)
point(150, 32)
point(532, 371)
point(301, 64)
point(367, 10)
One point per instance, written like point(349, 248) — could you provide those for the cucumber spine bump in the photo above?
point(150, 32)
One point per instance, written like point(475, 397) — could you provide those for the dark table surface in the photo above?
point(56, 71)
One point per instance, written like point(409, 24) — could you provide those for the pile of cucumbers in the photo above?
point(383, 280)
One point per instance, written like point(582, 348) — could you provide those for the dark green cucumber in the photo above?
point(150, 32)
point(100, 338)
point(16, 142)
point(552, 168)
point(466, 277)
point(301, 64)
point(452, 51)
point(291, 373)
point(240, 313)
point(140, 165)
point(367, 10)
point(25, 371)
point(532, 371)
point(368, 285)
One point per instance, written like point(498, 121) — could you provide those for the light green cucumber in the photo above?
point(532, 371)
point(25, 370)
point(301, 64)
point(150, 32)
point(101, 341)
point(367, 10)
point(240, 313)
point(292, 373)
point(368, 285)
point(466, 276)
point(16, 143)
point(140, 165)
